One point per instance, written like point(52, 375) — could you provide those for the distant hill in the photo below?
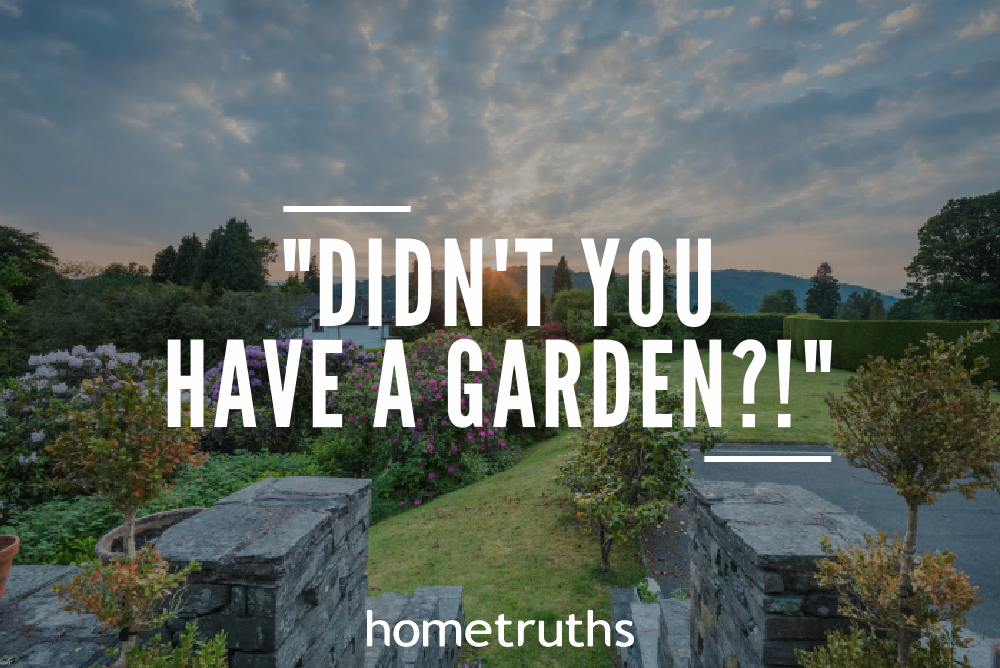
point(743, 289)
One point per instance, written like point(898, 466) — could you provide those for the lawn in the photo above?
point(511, 541)
point(810, 419)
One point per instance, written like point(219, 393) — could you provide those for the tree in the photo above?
point(311, 278)
point(36, 260)
point(782, 301)
point(11, 276)
point(625, 477)
point(877, 311)
point(920, 425)
point(234, 260)
point(908, 308)
point(956, 271)
point(186, 266)
point(720, 306)
point(858, 306)
point(163, 265)
point(562, 279)
point(823, 296)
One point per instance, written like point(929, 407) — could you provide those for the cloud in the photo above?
point(867, 54)
point(987, 24)
point(846, 27)
point(907, 17)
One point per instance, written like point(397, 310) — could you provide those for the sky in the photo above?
point(789, 132)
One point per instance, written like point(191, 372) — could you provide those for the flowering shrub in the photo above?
point(266, 434)
point(552, 330)
point(31, 411)
point(422, 461)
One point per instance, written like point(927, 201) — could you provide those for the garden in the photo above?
point(524, 518)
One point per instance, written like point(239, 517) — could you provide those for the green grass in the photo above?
point(512, 542)
point(806, 393)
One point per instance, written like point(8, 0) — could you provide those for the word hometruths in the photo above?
point(235, 394)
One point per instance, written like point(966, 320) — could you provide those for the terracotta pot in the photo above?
point(147, 529)
point(9, 546)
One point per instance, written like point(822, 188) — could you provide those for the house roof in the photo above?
point(308, 308)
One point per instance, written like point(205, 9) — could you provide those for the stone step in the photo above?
point(426, 604)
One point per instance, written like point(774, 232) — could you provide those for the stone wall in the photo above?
point(754, 551)
point(282, 571)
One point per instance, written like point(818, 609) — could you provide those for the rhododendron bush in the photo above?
point(424, 460)
point(32, 409)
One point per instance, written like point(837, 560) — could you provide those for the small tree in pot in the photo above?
point(117, 444)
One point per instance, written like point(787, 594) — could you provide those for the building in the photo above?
point(356, 329)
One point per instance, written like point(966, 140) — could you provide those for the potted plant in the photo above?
point(118, 444)
point(8, 549)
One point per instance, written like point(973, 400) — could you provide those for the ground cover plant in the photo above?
point(513, 542)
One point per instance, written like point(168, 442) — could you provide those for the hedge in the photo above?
point(855, 340)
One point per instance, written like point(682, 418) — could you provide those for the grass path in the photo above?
point(511, 541)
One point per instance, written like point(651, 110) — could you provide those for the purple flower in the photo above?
point(416, 502)
point(115, 386)
point(430, 447)
point(402, 503)
point(454, 447)
point(430, 475)
point(451, 468)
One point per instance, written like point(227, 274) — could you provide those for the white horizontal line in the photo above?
point(754, 459)
point(347, 209)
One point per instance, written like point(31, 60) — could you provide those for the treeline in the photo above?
point(214, 292)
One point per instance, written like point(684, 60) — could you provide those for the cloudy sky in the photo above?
point(790, 132)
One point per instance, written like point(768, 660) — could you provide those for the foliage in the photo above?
point(575, 299)
point(861, 306)
point(143, 317)
point(860, 648)
point(868, 580)
point(645, 595)
point(855, 340)
point(121, 447)
point(33, 410)
point(293, 285)
point(562, 279)
point(422, 461)
point(908, 308)
point(187, 265)
point(11, 276)
point(311, 277)
point(920, 425)
point(823, 296)
point(719, 306)
point(233, 260)
point(190, 652)
point(955, 271)
point(624, 477)
point(163, 265)
point(782, 301)
point(267, 434)
point(31, 257)
point(552, 330)
point(580, 326)
point(125, 593)
point(65, 531)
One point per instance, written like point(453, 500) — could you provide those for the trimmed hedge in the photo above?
point(855, 340)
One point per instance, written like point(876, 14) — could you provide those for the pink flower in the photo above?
point(416, 502)
point(430, 475)
point(430, 447)
point(454, 447)
point(451, 468)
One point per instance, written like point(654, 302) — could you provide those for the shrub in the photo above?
point(34, 408)
point(552, 330)
point(190, 652)
point(623, 477)
point(267, 434)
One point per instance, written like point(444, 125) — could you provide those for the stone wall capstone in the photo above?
point(754, 551)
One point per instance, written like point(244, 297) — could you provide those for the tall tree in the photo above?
point(185, 271)
point(34, 260)
point(956, 271)
point(859, 305)
point(163, 265)
point(823, 296)
point(908, 308)
point(877, 311)
point(311, 278)
point(562, 279)
point(234, 260)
